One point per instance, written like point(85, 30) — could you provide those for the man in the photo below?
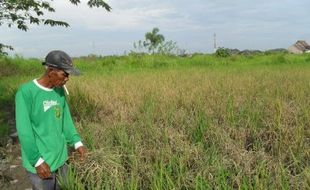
point(44, 123)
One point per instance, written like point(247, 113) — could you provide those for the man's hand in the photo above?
point(43, 170)
point(82, 151)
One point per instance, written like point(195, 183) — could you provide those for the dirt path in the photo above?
point(12, 175)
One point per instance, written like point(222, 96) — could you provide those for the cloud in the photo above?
point(126, 15)
point(240, 23)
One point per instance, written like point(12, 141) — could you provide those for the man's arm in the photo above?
point(72, 136)
point(24, 128)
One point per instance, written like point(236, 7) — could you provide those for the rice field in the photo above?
point(200, 122)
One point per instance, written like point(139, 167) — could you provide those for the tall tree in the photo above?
point(153, 39)
point(22, 13)
point(155, 43)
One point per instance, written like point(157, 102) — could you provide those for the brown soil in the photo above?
point(12, 175)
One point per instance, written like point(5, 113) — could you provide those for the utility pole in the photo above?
point(215, 45)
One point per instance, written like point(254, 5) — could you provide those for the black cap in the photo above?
point(60, 60)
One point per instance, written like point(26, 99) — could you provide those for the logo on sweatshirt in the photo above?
point(57, 111)
point(47, 104)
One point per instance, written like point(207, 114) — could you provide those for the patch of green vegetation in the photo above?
point(198, 122)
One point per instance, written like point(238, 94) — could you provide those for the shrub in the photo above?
point(222, 52)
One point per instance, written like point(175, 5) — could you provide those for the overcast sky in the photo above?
point(242, 24)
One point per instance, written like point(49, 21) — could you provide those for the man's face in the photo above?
point(58, 77)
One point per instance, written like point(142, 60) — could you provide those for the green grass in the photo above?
point(201, 122)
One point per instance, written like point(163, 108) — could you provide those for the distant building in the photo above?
point(299, 47)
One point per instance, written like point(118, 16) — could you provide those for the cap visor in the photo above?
point(73, 71)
